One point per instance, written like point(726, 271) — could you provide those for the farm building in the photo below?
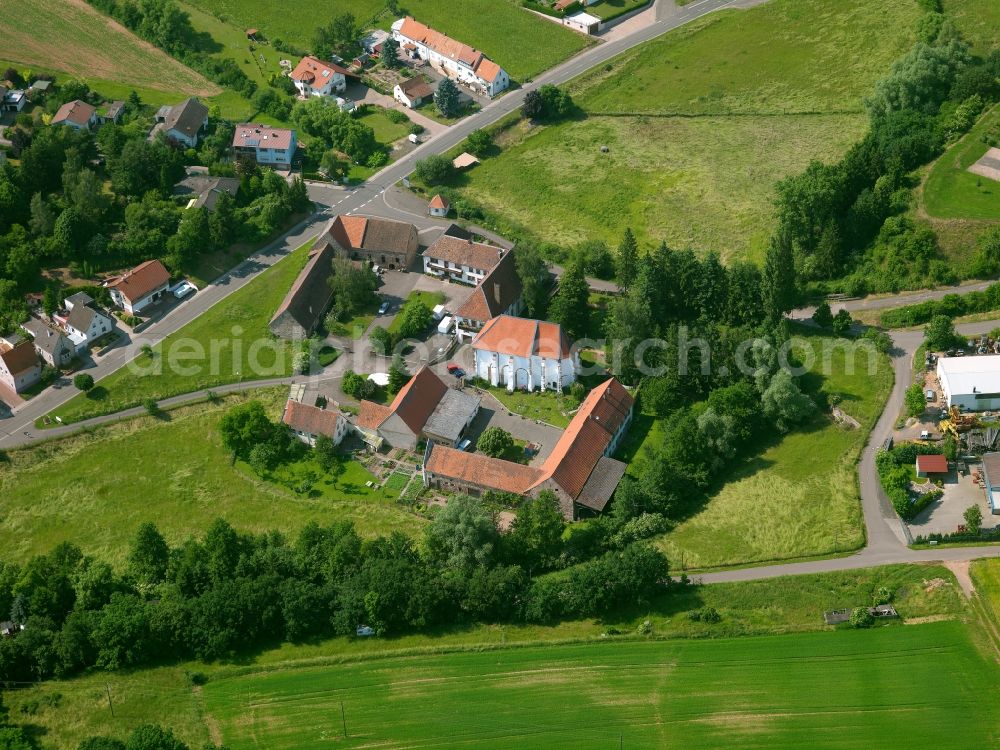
point(456, 60)
point(928, 465)
point(583, 22)
point(372, 42)
point(145, 284)
point(579, 471)
point(460, 259)
point(971, 383)
point(306, 302)
point(388, 243)
point(524, 354)
point(309, 422)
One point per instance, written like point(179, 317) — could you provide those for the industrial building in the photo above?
point(970, 383)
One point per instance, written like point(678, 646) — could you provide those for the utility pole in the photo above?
point(343, 718)
point(107, 686)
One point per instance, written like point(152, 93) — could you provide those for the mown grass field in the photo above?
point(951, 191)
point(71, 37)
point(784, 605)
point(523, 44)
point(978, 20)
point(793, 691)
point(700, 124)
point(236, 328)
point(125, 474)
point(804, 483)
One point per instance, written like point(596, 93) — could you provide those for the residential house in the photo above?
point(20, 367)
point(439, 206)
point(182, 123)
point(372, 42)
point(424, 408)
point(110, 111)
point(524, 354)
point(13, 101)
point(309, 422)
point(454, 59)
point(499, 293)
point(579, 470)
point(460, 259)
point(84, 324)
point(139, 288)
point(50, 343)
point(385, 242)
point(313, 77)
point(308, 299)
point(265, 144)
point(39, 87)
point(413, 92)
point(205, 189)
point(76, 114)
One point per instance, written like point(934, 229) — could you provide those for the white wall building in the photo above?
point(136, 290)
point(971, 383)
point(309, 422)
point(524, 354)
point(265, 144)
point(460, 259)
point(459, 61)
point(313, 77)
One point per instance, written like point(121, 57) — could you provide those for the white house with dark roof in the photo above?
point(13, 101)
point(499, 293)
point(182, 123)
point(82, 321)
point(265, 144)
point(459, 61)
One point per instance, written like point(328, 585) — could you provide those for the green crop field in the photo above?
point(69, 710)
point(804, 483)
point(832, 690)
point(105, 503)
point(951, 191)
point(71, 37)
point(700, 124)
point(523, 44)
point(235, 328)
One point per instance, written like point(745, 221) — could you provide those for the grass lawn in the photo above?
point(804, 484)
point(521, 42)
point(548, 406)
point(986, 578)
point(355, 327)
point(386, 131)
point(696, 139)
point(786, 605)
point(237, 322)
point(232, 43)
point(614, 8)
point(951, 191)
point(105, 503)
point(431, 299)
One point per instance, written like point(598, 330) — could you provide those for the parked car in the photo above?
point(925, 435)
point(383, 308)
point(929, 394)
point(184, 289)
point(465, 445)
point(364, 631)
point(459, 373)
point(378, 270)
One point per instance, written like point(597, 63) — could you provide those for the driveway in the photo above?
point(365, 95)
point(944, 516)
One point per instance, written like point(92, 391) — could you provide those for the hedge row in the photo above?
point(952, 305)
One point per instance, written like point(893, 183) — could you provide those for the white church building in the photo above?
point(524, 354)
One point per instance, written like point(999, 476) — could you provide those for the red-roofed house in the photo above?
point(313, 77)
point(934, 463)
point(460, 259)
point(456, 60)
point(76, 114)
point(439, 206)
point(20, 367)
point(579, 471)
point(499, 293)
point(265, 144)
point(142, 286)
point(424, 408)
point(521, 353)
point(386, 242)
point(309, 422)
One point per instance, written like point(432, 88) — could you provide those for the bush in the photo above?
point(915, 400)
point(705, 614)
point(881, 595)
point(394, 115)
point(861, 618)
point(494, 442)
point(152, 408)
point(83, 382)
point(434, 170)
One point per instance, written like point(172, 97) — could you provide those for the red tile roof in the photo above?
point(417, 400)
point(523, 337)
point(440, 43)
point(500, 289)
point(464, 252)
point(481, 470)
point(251, 135)
point(76, 112)
point(932, 464)
point(19, 358)
point(141, 280)
point(488, 70)
point(371, 415)
point(310, 419)
point(438, 201)
point(316, 73)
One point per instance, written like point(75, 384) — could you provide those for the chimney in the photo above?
point(496, 292)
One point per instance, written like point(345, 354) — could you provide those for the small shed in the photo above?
point(439, 206)
point(252, 34)
point(934, 463)
point(465, 160)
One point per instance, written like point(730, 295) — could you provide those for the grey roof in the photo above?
point(310, 295)
point(80, 317)
point(47, 338)
point(186, 117)
point(602, 483)
point(40, 85)
point(80, 298)
point(991, 467)
point(452, 414)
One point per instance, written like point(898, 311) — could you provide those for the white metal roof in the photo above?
point(968, 375)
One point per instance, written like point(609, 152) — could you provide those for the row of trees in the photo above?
point(229, 592)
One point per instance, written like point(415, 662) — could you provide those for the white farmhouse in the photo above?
point(458, 258)
point(313, 77)
point(456, 60)
point(309, 422)
point(524, 354)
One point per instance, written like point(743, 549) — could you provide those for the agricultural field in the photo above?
point(101, 509)
point(70, 37)
point(805, 482)
point(519, 41)
point(70, 710)
point(697, 139)
point(249, 310)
